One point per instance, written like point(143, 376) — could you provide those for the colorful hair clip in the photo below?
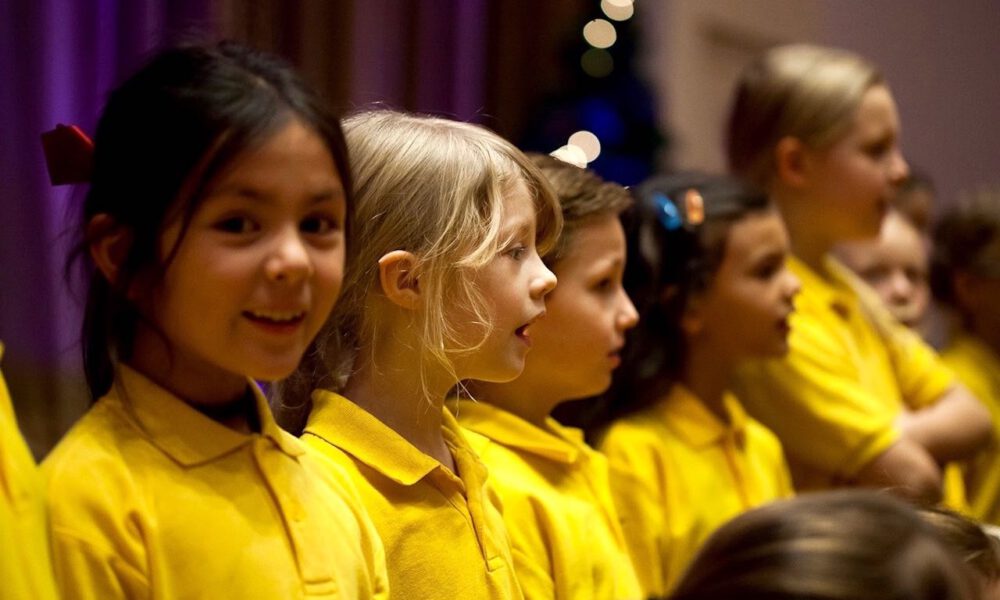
point(667, 213)
point(69, 154)
point(694, 207)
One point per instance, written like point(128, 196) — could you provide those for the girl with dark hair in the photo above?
point(214, 235)
point(685, 457)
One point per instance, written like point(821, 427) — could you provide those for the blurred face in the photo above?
point(258, 269)
point(514, 285)
point(576, 346)
point(978, 296)
point(895, 264)
point(745, 311)
point(857, 177)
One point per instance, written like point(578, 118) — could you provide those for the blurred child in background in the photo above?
point(965, 277)
point(841, 545)
point(859, 399)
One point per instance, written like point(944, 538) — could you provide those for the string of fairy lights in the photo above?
point(584, 147)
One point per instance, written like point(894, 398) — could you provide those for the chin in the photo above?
point(272, 370)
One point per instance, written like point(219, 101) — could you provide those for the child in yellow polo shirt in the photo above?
point(859, 399)
point(445, 285)
point(25, 565)
point(566, 537)
point(966, 278)
point(714, 290)
point(213, 234)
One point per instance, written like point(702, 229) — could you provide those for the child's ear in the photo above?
point(397, 272)
point(791, 161)
point(692, 321)
point(110, 245)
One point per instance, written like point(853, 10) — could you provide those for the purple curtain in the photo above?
point(58, 59)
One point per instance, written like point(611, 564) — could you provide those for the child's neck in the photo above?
point(807, 233)
point(707, 376)
point(394, 394)
point(219, 395)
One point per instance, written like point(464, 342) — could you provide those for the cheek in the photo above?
point(329, 271)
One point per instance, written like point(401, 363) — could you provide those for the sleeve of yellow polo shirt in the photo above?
point(640, 509)
point(815, 403)
point(25, 564)
point(922, 375)
point(97, 531)
point(371, 544)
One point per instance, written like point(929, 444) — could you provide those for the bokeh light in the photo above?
point(617, 10)
point(573, 155)
point(597, 62)
point(600, 33)
point(587, 142)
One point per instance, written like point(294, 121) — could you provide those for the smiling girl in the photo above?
point(214, 235)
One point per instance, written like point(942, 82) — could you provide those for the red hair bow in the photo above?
point(69, 154)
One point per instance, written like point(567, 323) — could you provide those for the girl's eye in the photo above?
point(236, 225)
point(768, 270)
point(878, 150)
point(517, 252)
point(320, 225)
point(604, 284)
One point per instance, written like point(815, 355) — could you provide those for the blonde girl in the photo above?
point(444, 286)
point(859, 399)
point(213, 233)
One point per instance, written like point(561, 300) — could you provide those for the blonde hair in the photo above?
point(808, 92)
point(435, 188)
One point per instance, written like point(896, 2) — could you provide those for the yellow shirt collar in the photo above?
point(556, 442)
point(838, 290)
point(357, 432)
point(182, 432)
point(691, 421)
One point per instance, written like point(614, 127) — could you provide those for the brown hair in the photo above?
point(841, 545)
point(975, 547)
point(583, 196)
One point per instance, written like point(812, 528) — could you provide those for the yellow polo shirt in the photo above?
point(850, 370)
point(978, 367)
point(148, 498)
point(443, 532)
point(25, 565)
point(678, 473)
point(567, 541)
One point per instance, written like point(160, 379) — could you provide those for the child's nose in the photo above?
point(628, 316)
point(543, 281)
point(289, 260)
point(899, 169)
